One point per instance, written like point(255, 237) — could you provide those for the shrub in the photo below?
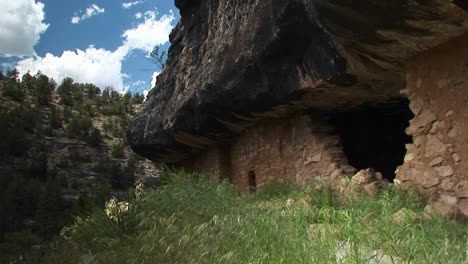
point(50, 208)
point(75, 156)
point(94, 138)
point(13, 90)
point(80, 127)
point(117, 151)
point(43, 89)
point(112, 127)
point(102, 165)
point(118, 177)
point(55, 119)
point(38, 166)
point(15, 124)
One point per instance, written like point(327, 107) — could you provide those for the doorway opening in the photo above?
point(373, 135)
point(252, 181)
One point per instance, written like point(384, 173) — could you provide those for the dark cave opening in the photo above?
point(373, 135)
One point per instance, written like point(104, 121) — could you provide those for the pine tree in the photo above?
point(27, 82)
point(50, 208)
point(43, 89)
point(65, 91)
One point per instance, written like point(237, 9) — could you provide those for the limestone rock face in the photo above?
point(233, 62)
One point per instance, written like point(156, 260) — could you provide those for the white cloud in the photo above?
point(99, 66)
point(138, 15)
point(5, 66)
point(153, 79)
point(138, 83)
point(128, 5)
point(91, 11)
point(149, 33)
point(21, 24)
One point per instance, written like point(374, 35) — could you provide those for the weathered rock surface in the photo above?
point(437, 80)
point(232, 62)
point(368, 180)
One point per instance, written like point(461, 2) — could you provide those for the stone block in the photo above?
point(462, 189)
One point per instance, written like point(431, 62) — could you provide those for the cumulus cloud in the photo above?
point(145, 93)
point(153, 79)
point(149, 33)
point(99, 66)
point(138, 15)
point(91, 11)
point(128, 5)
point(21, 24)
point(138, 83)
point(5, 66)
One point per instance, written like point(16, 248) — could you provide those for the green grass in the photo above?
point(193, 220)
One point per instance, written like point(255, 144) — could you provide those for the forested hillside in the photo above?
point(62, 152)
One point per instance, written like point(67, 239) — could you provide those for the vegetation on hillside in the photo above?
point(34, 113)
point(193, 220)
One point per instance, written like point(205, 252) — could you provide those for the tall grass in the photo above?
point(193, 220)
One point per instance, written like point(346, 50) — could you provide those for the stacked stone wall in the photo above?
point(437, 161)
point(298, 149)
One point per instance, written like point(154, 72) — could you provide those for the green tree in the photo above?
point(43, 89)
point(118, 151)
point(91, 91)
point(12, 199)
point(13, 137)
point(65, 91)
point(18, 202)
point(106, 94)
point(38, 166)
point(13, 90)
point(80, 127)
point(159, 57)
point(94, 137)
point(27, 82)
point(50, 208)
point(55, 118)
point(118, 177)
point(83, 207)
point(138, 98)
point(13, 75)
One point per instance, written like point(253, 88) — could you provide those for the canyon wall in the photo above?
point(233, 62)
point(246, 85)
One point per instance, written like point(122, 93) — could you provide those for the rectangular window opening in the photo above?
point(252, 181)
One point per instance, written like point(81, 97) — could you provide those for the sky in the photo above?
point(104, 42)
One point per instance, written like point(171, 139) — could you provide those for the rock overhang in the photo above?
point(231, 63)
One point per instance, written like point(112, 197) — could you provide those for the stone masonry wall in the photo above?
point(297, 149)
point(437, 161)
point(208, 163)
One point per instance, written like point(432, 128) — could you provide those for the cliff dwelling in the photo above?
point(373, 135)
point(368, 84)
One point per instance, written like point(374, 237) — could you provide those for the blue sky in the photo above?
point(104, 42)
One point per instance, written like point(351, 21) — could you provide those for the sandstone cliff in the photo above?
point(233, 62)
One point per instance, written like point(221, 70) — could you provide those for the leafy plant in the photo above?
point(159, 57)
point(118, 151)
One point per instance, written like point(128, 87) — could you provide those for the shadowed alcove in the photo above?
point(373, 135)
